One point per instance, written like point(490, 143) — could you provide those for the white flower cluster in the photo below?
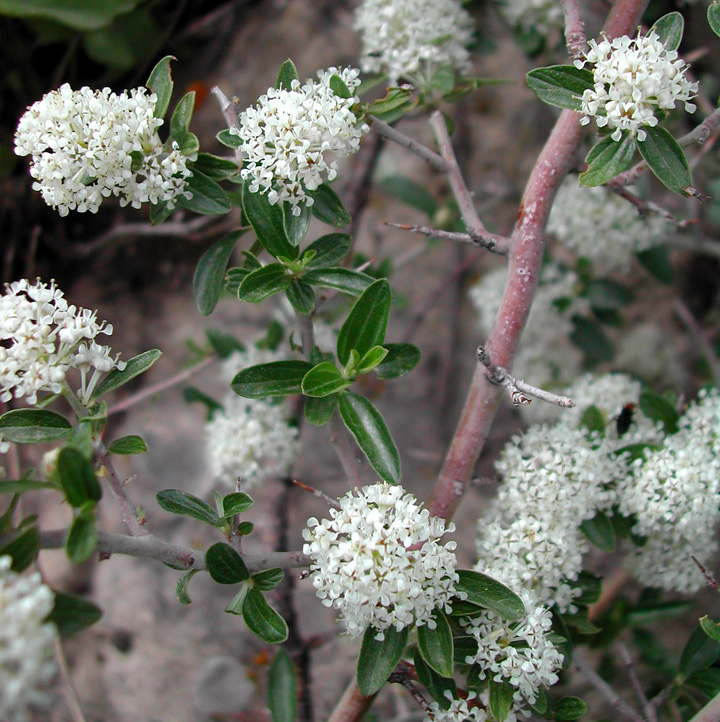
point(546, 358)
point(250, 440)
point(644, 350)
point(27, 642)
point(540, 16)
point(519, 653)
point(286, 136)
point(460, 710)
point(633, 77)
point(601, 226)
point(87, 145)
point(674, 497)
point(406, 38)
point(42, 337)
point(380, 561)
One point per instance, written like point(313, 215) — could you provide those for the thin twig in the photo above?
point(605, 689)
point(490, 241)
point(648, 709)
point(151, 391)
point(460, 191)
point(708, 353)
point(151, 547)
point(709, 578)
point(644, 207)
point(71, 695)
point(316, 492)
point(399, 677)
point(127, 508)
point(574, 29)
point(412, 145)
point(517, 388)
point(229, 111)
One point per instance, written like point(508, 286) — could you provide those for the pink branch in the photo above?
point(574, 29)
point(353, 705)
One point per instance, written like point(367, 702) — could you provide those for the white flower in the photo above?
point(646, 351)
point(380, 561)
point(286, 136)
point(602, 227)
point(87, 145)
point(460, 710)
point(633, 78)
point(545, 358)
point(519, 653)
point(44, 338)
point(540, 16)
point(26, 642)
point(406, 38)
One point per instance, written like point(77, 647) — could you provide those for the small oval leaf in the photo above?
point(278, 378)
point(378, 658)
point(262, 619)
point(490, 594)
point(33, 426)
point(225, 564)
point(436, 645)
point(180, 502)
point(210, 272)
point(134, 367)
point(367, 321)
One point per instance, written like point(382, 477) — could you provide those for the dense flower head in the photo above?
point(633, 78)
point(405, 38)
point(519, 653)
point(287, 135)
point(87, 145)
point(379, 560)
point(27, 641)
point(601, 227)
point(545, 357)
point(250, 441)
point(42, 337)
point(462, 710)
point(539, 16)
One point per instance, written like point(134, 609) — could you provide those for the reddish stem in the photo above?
point(353, 705)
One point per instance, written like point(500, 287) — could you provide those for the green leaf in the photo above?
point(263, 283)
point(605, 294)
point(296, 226)
point(490, 594)
point(561, 85)
point(669, 28)
point(236, 503)
point(282, 688)
point(657, 261)
point(181, 117)
point(340, 279)
point(160, 212)
point(77, 477)
point(433, 682)
point(593, 419)
point(409, 192)
point(267, 222)
point(20, 485)
point(225, 564)
point(301, 296)
point(378, 658)
point(134, 367)
point(210, 272)
point(268, 579)
point(443, 79)
point(23, 547)
point(591, 340)
point(192, 395)
point(713, 16)
point(77, 14)
point(278, 378)
point(128, 445)
point(180, 502)
point(337, 85)
point(160, 82)
point(569, 708)
point(590, 586)
point(323, 380)
point(367, 321)
point(33, 426)
point(705, 680)
point(208, 198)
point(648, 612)
point(318, 411)
point(666, 160)
point(328, 207)
point(599, 531)
point(657, 408)
point(182, 587)
point(262, 619)
point(81, 539)
point(711, 628)
point(436, 645)
point(214, 167)
point(372, 435)
point(371, 359)
point(541, 702)
point(288, 73)
point(72, 613)
point(229, 139)
point(329, 249)
point(700, 651)
point(607, 159)
point(501, 699)
point(400, 360)
point(235, 606)
point(223, 344)
point(395, 99)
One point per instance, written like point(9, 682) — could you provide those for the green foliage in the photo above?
point(33, 426)
point(267, 222)
point(128, 445)
point(161, 83)
point(396, 103)
point(318, 411)
point(82, 15)
point(378, 658)
point(22, 544)
point(72, 613)
point(365, 325)
point(134, 367)
point(401, 359)
point(435, 684)
point(323, 380)
point(657, 408)
point(340, 279)
point(599, 531)
point(701, 651)
point(329, 250)
point(296, 226)
point(657, 261)
point(328, 207)
point(210, 272)
point(436, 645)
point(235, 503)
point(409, 192)
point(569, 708)
point(485, 592)
point(208, 198)
point(81, 539)
point(666, 160)
point(501, 699)
point(301, 296)
point(711, 628)
point(713, 16)
point(593, 419)
point(223, 344)
point(591, 340)
point(182, 588)
point(561, 85)
point(78, 478)
point(262, 619)
point(263, 283)
point(282, 688)
point(181, 502)
point(288, 73)
point(225, 565)
point(607, 159)
point(669, 28)
point(278, 378)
